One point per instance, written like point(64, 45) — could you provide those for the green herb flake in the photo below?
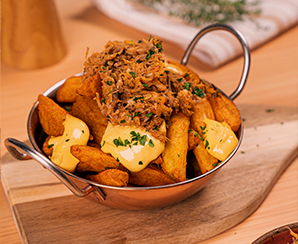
point(104, 142)
point(83, 131)
point(190, 130)
point(151, 144)
point(149, 114)
point(140, 163)
point(122, 121)
point(207, 144)
point(51, 145)
point(149, 54)
point(187, 86)
point(67, 140)
point(186, 75)
point(145, 85)
point(156, 128)
point(109, 82)
point(133, 74)
point(180, 79)
point(143, 140)
point(199, 92)
point(270, 110)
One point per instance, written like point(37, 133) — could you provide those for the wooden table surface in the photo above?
point(273, 80)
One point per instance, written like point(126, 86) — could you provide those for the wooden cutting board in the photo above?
point(46, 212)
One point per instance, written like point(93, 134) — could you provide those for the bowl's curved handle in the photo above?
point(243, 43)
point(21, 151)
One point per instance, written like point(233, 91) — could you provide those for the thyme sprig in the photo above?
point(203, 12)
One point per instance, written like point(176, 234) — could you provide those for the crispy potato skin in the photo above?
point(110, 177)
point(45, 147)
point(92, 158)
point(201, 109)
point(174, 155)
point(193, 139)
point(67, 92)
point(86, 109)
point(51, 116)
point(225, 110)
point(90, 87)
point(150, 176)
point(204, 158)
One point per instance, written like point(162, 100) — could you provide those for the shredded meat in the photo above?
point(137, 89)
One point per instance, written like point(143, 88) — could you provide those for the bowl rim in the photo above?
point(281, 229)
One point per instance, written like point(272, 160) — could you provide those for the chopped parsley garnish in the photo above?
point(138, 61)
point(149, 114)
point(270, 110)
point(104, 142)
point(103, 100)
point(136, 113)
point(109, 82)
point(151, 144)
point(186, 75)
point(83, 131)
point(145, 85)
point(159, 47)
point(51, 145)
point(149, 54)
point(67, 140)
point(143, 140)
point(187, 86)
point(67, 108)
point(207, 144)
point(215, 164)
point(203, 128)
point(167, 71)
point(122, 121)
point(156, 128)
point(140, 41)
point(180, 79)
point(118, 142)
point(133, 74)
point(140, 163)
point(190, 130)
point(199, 92)
point(178, 155)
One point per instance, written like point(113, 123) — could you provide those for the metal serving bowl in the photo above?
point(133, 198)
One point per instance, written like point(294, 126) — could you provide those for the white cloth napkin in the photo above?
point(217, 47)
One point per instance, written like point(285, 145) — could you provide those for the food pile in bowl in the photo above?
point(134, 118)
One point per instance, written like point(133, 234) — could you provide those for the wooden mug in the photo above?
point(31, 34)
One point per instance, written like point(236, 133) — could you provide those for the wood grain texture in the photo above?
point(234, 194)
point(31, 35)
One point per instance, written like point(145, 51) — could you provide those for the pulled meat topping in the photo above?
point(137, 88)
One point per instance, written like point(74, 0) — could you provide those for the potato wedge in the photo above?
point(90, 87)
point(51, 116)
point(86, 109)
point(67, 92)
point(110, 177)
point(174, 155)
point(193, 139)
point(150, 176)
point(46, 148)
point(225, 110)
point(205, 160)
point(93, 158)
point(201, 110)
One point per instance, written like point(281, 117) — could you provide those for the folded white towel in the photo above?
point(217, 47)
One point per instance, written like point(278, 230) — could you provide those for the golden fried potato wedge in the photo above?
point(193, 139)
point(93, 158)
point(174, 155)
point(110, 177)
point(201, 110)
point(67, 92)
point(51, 116)
point(205, 160)
point(90, 87)
point(225, 110)
point(150, 176)
point(46, 148)
point(86, 109)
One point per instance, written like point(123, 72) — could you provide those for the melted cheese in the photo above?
point(76, 132)
point(220, 140)
point(118, 141)
point(173, 68)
